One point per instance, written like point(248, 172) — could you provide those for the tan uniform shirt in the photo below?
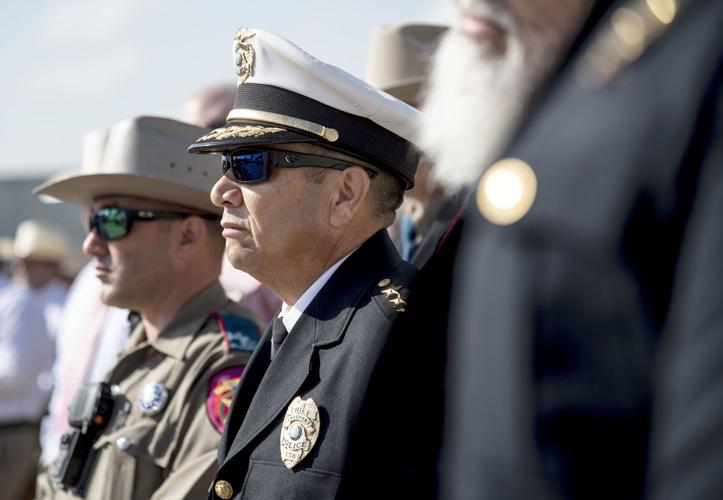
point(170, 454)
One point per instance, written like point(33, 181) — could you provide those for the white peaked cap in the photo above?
point(285, 95)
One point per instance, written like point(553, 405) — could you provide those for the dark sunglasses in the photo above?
point(113, 223)
point(248, 166)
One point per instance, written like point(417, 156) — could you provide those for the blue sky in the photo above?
point(69, 66)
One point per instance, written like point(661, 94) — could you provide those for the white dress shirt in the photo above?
point(26, 354)
point(290, 314)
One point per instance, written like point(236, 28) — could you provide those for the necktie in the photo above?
point(278, 334)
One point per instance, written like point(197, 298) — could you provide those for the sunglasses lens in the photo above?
point(245, 166)
point(110, 223)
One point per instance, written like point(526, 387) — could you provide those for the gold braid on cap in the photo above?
point(244, 54)
point(237, 131)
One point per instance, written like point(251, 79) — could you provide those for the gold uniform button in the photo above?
point(223, 489)
point(384, 282)
point(506, 191)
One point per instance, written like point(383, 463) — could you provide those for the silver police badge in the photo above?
point(299, 431)
point(153, 398)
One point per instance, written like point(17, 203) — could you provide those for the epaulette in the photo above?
point(240, 334)
point(630, 30)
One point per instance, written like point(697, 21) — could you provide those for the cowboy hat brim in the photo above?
point(82, 189)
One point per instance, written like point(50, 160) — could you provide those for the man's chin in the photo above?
point(240, 257)
point(107, 299)
point(111, 296)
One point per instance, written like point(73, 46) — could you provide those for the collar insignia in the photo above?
point(393, 294)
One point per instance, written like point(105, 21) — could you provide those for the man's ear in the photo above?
point(190, 235)
point(351, 190)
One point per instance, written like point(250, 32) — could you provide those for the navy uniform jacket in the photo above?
point(586, 356)
point(331, 356)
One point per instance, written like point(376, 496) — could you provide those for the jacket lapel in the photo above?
point(281, 382)
point(250, 380)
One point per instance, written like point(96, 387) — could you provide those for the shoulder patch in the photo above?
point(220, 395)
point(239, 333)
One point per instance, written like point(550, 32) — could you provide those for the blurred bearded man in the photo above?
point(484, 77)
point(485, 74)
point(586, 329)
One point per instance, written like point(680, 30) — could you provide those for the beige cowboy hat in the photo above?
point(144, 157)
point(399, 56)
point(92, 156)
point(39, 240)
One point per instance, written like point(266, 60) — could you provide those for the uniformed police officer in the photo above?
point(315, 162)
point(152, 428)
point(588, 350)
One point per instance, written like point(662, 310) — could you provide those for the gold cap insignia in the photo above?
point(392, 294)
point(234, 131)
point(299, 431)
point(223, 489)
point(245, 56)
point(506, 191)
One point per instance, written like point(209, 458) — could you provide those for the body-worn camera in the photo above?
point(88, 417)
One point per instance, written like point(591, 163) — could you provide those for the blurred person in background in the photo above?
point(209, 109)
point(481, 85)
point(586, 348)
point(398, 62)
point(29, 314)
point(210, 106)
point(152, 426)
point(487, 72)
point(40, 252)
point(6, 259)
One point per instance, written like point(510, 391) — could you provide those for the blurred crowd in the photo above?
point(490, 269)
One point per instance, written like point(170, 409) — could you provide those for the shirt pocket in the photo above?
point(131, 464)
point(268, 480)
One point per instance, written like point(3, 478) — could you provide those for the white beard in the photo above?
point(476, 98)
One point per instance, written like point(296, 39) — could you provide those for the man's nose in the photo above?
point(226, 193)
point(94, 246)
